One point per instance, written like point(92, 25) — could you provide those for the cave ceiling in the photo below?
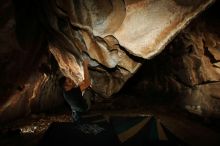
point(112, 33)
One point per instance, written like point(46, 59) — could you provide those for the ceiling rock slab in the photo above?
point(142, 27)
point(149, 25)
point(115, 34)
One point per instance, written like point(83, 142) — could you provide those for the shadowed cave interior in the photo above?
point(177, 85)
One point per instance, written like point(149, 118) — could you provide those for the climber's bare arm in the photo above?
point(86, 82)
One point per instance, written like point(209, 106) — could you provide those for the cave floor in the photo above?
point(191, 129)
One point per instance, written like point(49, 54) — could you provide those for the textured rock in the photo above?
point(188, 69)
point(68, 65)
point(202, 70)
point(157, 21)
point(113, 33)
point(28, 82)
point(39, 93)
point(115, 36)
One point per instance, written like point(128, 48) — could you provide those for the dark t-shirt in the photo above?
point(75, 99)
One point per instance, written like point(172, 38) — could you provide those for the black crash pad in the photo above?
point(61, 134)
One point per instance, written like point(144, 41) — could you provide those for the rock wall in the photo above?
point(187, 69)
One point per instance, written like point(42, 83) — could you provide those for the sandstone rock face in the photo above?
point(28, 82)
point(39, 93)
point(188, 68)
point(201, 70)
point(114, 35)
